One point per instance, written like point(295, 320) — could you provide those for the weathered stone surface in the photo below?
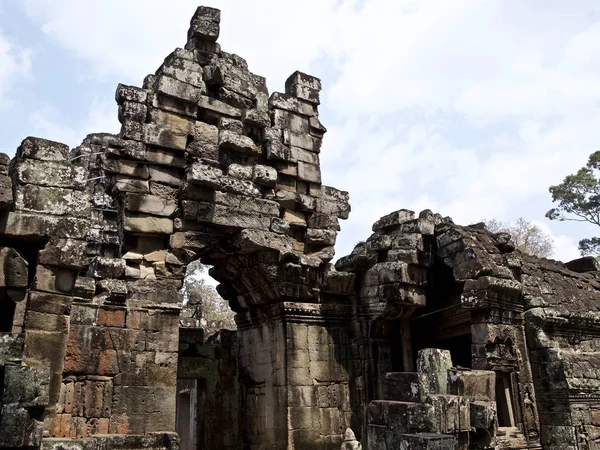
point(219, 107)
point(205, 23)
point(237, 142)
point(150, 204)
point(14, 268)
point(435, 363)
point(50, 200)
point(42, 149)
point(54, 279)
point(187, 180)
point(252, 240)
point(130, 93)
point(11, 348)
point(174, 88)
point(184, 70)
point(478, 385)
point(164, 137)
point(393, 219)
point(50, 173)
point(147, 224)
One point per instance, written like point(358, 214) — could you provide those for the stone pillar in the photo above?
point(435, 363)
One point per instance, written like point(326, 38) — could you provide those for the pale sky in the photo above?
point(469, 108)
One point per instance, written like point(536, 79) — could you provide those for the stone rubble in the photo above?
point(428, 335)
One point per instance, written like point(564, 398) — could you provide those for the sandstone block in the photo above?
point(256, 118)
point(264, 175)
point(324, 221)
point(483, 414)
point(128, 168)
point(229, 140)
point(50, 173)
point(183, 70)
point(253, 240)
point(478, 385)
point(102, 267)
point(164, 137)
point(296, 219)
point(42, 149)
point(205, 23)
point(130, 93)
point(166, 175)
point(14, 268)
point(132, 111)
point(11, 347)
point(393, 219)
point(50, 303)
point(338, 209)
point(174, 88)
point(54, 279)
point(26, 386)
point(68, 253)
point(316, 236)
point(404, 417)
point(150, 204)
point(174, 122)
point(305, 141)
point(146, 224)
point(435, 363)
point(219, 107)
point(239, 171)
point(50, 200)
point(19, 429)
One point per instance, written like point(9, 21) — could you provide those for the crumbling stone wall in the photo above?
point(95, 242)
point(206, 166)
point(562, 335)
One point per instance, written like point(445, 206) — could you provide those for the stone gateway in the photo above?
point(429, 335)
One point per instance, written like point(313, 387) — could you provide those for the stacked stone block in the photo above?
point(432, 408)
point(209, 166)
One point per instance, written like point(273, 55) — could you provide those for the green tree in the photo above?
point(202, 300)
point(528, 238)
point(578, 199)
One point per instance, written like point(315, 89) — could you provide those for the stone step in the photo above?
point(427, 441)
point(403, 417)
point(381, 438)
point(404, 387)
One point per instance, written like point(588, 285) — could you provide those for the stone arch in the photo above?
point(207, 166)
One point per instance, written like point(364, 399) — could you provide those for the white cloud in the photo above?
point(15, 63)
point(101, 117)
point(565, 247)
point(471, 109)
point(132, 38)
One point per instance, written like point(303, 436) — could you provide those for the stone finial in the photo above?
point(205, 23)
point(303, 86)
point(350, 442)
point(393, 219)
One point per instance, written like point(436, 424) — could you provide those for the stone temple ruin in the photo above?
point(429, 335)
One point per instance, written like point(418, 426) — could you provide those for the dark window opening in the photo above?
point(504, 400)
point(460, 349)
point(7, 313)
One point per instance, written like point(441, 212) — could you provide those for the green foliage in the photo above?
point(527, 237)
point(578, 199)
point(203, 299)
